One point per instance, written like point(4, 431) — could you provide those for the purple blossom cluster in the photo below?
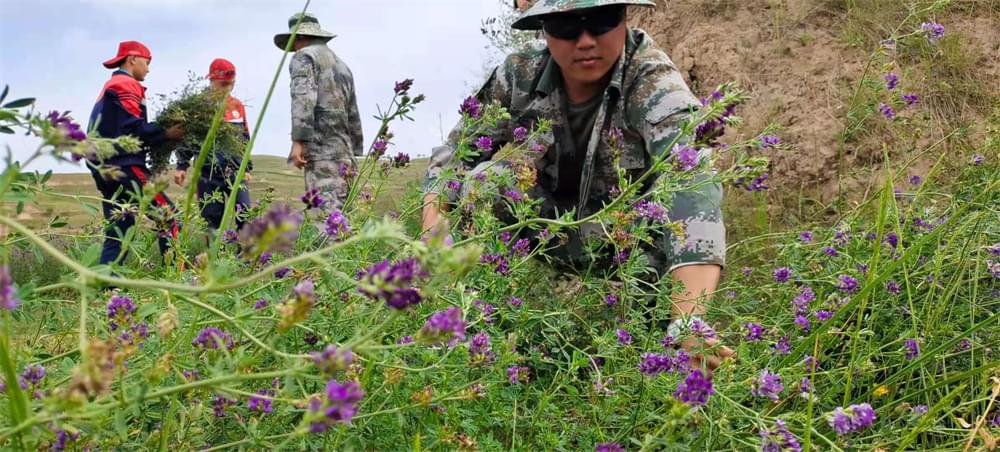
point(695, 389)
point(912, 349)
point(891, 81)
point(470, 107)
point(262, 401)
point(768, 385)
point(755, 331)
point(393, 282)
point(401, 160)
point(848, 284)
point(220, 403)
point(780, 439)
point(481, 350)
point(230, 236)
point(313, 199)
point(851, 419)
point(782, 274)
point(769, 141)
point(276, 231)
point(887, 111)
point(498, 261)
point(609, 447)
point(651, 211)
point(337, 226)
point(213, 338)
point(484, 144)
point(337, 405)
point(652, 364)
point(67, 128)
point(520, 134)
point(685, 157)
point(711, 130)
point(130, 332)
point(444, 327)
point(516, 302)
point(806, 236)
point(332, 359)
point(933, 30)
point(758, 183)
point(624, 337)
point(517, 374)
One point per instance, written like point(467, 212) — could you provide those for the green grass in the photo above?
point(73, 198)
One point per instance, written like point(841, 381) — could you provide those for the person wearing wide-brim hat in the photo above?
point(615, 101)
point(326, 125)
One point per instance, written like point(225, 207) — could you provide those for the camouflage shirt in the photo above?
point(324, 106)
point(646, 99)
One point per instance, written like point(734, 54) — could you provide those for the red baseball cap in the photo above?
point(221, 69)
point(126, 49)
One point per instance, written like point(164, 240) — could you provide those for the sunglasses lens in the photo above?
point(571, 26)
point(563, 29)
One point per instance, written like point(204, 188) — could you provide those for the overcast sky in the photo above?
point(53, 49)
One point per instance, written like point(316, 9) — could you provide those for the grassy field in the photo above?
point(73, 199)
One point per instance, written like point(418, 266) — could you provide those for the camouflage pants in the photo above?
point(329, 178)
point(705, 241)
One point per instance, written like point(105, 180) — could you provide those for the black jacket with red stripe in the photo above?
point(121, 110)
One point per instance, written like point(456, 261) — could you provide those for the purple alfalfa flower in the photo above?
point(446, 326)
point(453, 185)
point(823, 315)
point(848, 284)
point(392, 283)
point(337, 404)
point(920, 409)
point(747, 271)
point(767, 385)
point(403, 86)
point(481, 349)
point(538, 148)
point(33, 374)
point(521, 248)
point(265, 258)
point(910, 99)
point(499, 262)
point(505, 236)
point(668, 342)
point(891, 81)
point(652, 364)
point(800, 303)
point(624, 337)
point(276, 231)
point(702, 329)
point(401, 160)
point(651, 211)
point(893, 287)
point(685, 157)
point(978, 159)
point(755, 331)
point(219, 404)
point(261, 303)
point(337, 225)
point(994, 249)
point(282, 272)
point(610, 299)
point(520, 134)
point(779, 440)
point(695, 389)
point(347, 171)
point(851, 419)
point(995, 423)
point(781, 275)
point(887, 111)
point(404, 340)
point(516, 302)
point(332, 359)
point(768, 141)
point(783, 346)
point(517, 374)
point(862, 268)
point(912, 349)
point(313, 199)
point(621, 257)
point(805, 386)
point(830, 251)
point(802, 321)
point(120, 308)
point(68, 128)
point(916, 180)
point(62, 438)
point(470, 107)
point(262, 401)
point(806, 236)
point(933, 30)
point(488, 310)
point(229, 237)
point(757, 184)
point(513, 195)
point(213, 338)
point(993, 268)
point(609, 447)
point(484, 144)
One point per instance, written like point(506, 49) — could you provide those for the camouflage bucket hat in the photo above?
point(531, 19)
point(308, 28)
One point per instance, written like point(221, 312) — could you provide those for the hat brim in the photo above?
point(114, 62)
point(281, 40)
point(532, 18)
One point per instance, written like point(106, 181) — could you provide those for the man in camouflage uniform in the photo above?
point(326, 125)
point(595, 75)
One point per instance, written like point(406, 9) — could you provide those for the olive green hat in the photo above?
point(309, 28)
point(531, 19)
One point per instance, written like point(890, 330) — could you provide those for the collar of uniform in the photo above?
point(551, 77)
point(121, 72)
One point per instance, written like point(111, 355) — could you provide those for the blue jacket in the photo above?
point(121, 110)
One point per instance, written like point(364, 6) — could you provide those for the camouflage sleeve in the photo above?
point(354, 123)
point(303, 89)
point(495, 89)
point(663, 102)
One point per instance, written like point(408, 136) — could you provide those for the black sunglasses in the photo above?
point(596, 21)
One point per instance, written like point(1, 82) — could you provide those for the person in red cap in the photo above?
point(219, 171)
point(121, 110)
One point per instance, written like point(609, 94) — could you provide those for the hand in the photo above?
point(180, 176)
point(247, 176)
point(175, 133)
point(713, 348)
point(298, 155)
